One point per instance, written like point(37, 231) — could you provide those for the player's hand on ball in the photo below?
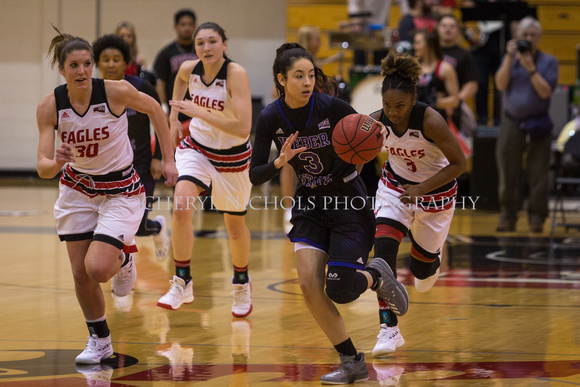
point(383, 132)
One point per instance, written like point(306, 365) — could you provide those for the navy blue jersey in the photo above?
point(139, 125)
point(318, 166)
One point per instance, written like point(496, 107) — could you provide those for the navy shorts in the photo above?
point(338, 220)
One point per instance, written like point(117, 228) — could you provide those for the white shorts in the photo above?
point(230, 191)
point(429, 229)
point(78, 216)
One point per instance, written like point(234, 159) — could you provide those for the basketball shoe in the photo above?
point(350, 371)
point(161, 240)
point(179, 293)
point(97, 349)
point(124, 281)
point(426, 284)
point(242, 305)
point(388, 340)
point(389, 289)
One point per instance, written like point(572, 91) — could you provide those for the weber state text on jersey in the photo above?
point(319, 165)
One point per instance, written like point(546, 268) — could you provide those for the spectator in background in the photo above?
point(173, 55)
point(484, 38)
point(527, 78)
point(126, 30)
point(420, 17)
point(437, 85)
point(463, 63)
point(309, 38)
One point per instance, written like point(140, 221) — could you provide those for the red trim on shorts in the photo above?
point(216, 156)
point(386, 231)
point(443, 201)
point(91, 188)
point(130, 249)
point(232, 170)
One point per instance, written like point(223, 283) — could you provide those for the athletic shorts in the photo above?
point(82, 213)
point(230, 191)
point(337, 220)
point(429, 228)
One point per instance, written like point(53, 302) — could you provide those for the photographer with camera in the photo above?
point(527, 77)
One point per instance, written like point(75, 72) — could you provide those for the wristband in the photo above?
point(531, 73)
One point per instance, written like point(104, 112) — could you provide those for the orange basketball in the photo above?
point(357, 138)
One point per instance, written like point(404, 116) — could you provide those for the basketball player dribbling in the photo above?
point(101, 200)
point(324, 233)
point(417, 187)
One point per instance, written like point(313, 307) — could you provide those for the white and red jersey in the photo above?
point(98, 137)
point(215, 98)
point(413, 156)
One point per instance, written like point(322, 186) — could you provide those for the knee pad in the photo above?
point(423, 263)
point(387, 240)
point(343, 284)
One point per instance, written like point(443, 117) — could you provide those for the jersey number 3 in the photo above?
point(411, 166)
point(314, 164)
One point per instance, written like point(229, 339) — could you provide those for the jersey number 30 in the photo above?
point(89, 150)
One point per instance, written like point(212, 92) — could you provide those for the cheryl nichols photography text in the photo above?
point(309, 202)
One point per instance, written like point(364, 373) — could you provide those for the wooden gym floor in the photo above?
point(506, 312)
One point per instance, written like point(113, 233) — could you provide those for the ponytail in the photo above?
point(62, 45)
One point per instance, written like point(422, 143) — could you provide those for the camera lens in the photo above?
point(524, 46)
